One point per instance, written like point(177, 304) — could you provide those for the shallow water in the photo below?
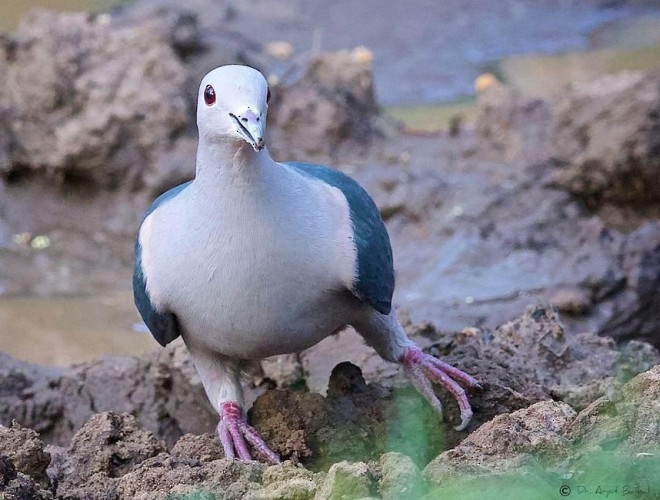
point(11, 11)
point(61, 331)
point(546, 75)
point(630, 45)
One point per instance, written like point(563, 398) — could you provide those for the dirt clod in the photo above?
point(108, 446)
point(510, 126)
point(26, 451)
point(203, 447)
point(400, 477)
point(15, 485)
point(346, 480)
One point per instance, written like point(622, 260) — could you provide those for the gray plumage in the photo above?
point(255, 258)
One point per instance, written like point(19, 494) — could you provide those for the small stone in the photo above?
point(346, 480)
point(40, 242)
point(457, 211)
point(293, 489)
point(285, 471)
point(280, 49)
point(362, 55)
point(22, 239)
point(400, 477)
point(572, 301)
point(484, 81)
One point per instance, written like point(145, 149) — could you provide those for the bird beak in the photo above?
point(251, 127)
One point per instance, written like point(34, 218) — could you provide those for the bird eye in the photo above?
point(268, 96)
point(209, 95)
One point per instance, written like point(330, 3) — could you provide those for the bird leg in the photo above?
point(422, 369)
point(235, 434)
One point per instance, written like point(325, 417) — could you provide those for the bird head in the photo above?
point(232, 104)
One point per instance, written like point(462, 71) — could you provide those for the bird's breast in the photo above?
point(255, 281)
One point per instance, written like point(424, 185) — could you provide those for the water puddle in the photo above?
point(630, 45)
point(544, 76)
point(62, 331)
point(12, 10)
point(433, 117)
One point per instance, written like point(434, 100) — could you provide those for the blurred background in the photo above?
point(513, 148)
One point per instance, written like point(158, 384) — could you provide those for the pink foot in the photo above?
point(422, 369)
point(234, 431)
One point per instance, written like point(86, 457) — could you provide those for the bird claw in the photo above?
point(234, 431)
point(422, 369)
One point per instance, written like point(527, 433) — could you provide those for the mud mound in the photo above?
point(107, 447)
point(370, 438)
point(332, 104)
point(525, 361)
point(606, 138)
point(508, 441)
point(511, 126)
point(161, 389)
point(535, 449)
point(522, 362)
point(627, 419)
point(86, 101)
point(547, 447)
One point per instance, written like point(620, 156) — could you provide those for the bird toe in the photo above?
point(235, 434)
point(422, 368)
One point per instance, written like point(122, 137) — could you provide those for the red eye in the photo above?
point(268, 96)
point(209, 95)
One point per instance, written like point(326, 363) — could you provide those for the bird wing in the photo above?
point(163, 325)
point(375, 280)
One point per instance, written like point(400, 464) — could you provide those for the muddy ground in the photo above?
point(527, 254)
point(552, 404)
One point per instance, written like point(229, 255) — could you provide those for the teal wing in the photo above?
point(163, 325)
point(375, 280)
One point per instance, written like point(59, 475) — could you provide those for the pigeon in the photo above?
point(255, 258)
